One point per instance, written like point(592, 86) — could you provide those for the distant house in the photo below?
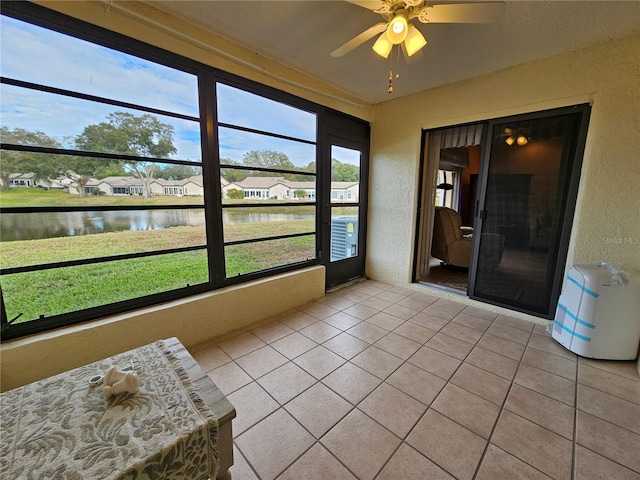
point(191, 186)
point(63, 182)
point(345, 191)
point(27, 180)
point(116, 186)
point(228, 187)
point(265, 188)
point(21, 180)
point(309, 189)
point(279, 188)
point(252, 188)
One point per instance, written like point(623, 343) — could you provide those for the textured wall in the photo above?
point(607, 221)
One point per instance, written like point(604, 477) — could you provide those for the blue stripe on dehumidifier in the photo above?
point(582, 287)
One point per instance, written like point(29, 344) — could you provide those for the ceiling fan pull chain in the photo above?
point(390, 89)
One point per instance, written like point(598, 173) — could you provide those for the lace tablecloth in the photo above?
point(62, 427)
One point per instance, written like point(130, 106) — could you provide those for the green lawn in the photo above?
point(61, 290)
point(37, 197)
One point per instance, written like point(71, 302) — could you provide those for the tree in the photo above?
point(311, 167)
point(268, 159)
point(125, 133)
point(42, 165)
point(178, 172)
point(344, 172)
point(83, 169)
point(232, 175)
point(302, 176)
point(234, 193)
point(299, 193)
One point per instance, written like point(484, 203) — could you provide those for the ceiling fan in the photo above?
point(397, 28)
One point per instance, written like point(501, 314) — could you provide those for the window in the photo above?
point(268, 149)
point(446, 194)
point(107, 125)
point(116, 200)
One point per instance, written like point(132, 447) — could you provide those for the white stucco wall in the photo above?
point(607, 221)
point(279, 191)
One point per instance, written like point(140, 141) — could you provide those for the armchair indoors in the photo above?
point(451, 241)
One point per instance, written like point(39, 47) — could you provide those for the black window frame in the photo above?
point(208, 77)
point(295, 102)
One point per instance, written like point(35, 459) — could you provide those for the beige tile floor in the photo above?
point(379, 382)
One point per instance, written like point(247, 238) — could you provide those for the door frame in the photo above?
point(341, 271)
point(426, 200)
point(577, 147)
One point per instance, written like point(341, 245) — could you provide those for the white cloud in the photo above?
point(234, 144)
point(41, 56)
point(245, 109)
point(38, 55)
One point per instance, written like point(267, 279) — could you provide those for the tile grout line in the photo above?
point(577, 409)
point(502, 409)
point(574, 443)
point(245, 460)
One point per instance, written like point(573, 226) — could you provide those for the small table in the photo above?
point(217, 402)
point(177, 426)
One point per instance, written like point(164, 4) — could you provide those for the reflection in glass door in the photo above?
point(527, 196)
point(345, 230)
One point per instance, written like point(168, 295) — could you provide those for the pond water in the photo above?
point(16, 226)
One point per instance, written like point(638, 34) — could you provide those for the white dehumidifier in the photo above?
point(598, 316)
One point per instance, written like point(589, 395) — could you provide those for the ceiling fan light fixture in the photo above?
point(522, 140)
point(510, 140)
point(414, 41)
point(397, 29)
point(383, 46)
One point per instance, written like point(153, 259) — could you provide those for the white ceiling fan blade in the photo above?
point(489, 12)
point(359, 39)
point(368, 4)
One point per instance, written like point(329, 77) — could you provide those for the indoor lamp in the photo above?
point(515, 137)
point(520, 140)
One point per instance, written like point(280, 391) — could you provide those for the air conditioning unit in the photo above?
point(344, 237)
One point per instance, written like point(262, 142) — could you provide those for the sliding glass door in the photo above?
point(527, 190)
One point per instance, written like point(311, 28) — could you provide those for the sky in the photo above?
point(37, 55)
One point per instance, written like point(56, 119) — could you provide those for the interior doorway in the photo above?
point(450, 177)
point(496, 207)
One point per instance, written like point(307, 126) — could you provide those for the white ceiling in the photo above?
point(302, 34)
